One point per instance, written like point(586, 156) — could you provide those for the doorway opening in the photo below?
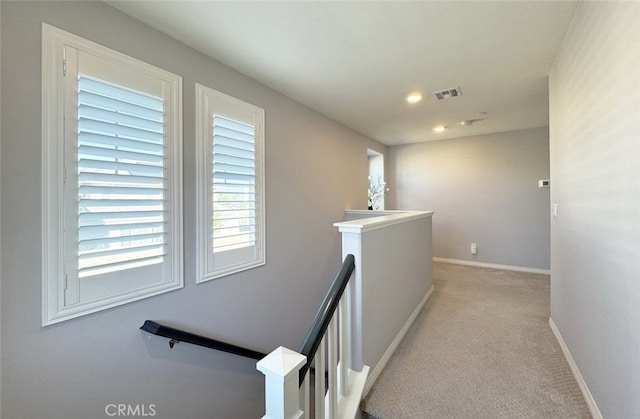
point(376, 184)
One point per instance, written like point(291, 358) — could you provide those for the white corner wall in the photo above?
point(595, 181)
point(392, 281)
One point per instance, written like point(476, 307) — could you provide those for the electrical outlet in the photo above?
point(474, 249)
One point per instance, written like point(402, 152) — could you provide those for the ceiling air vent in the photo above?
point(447, 93)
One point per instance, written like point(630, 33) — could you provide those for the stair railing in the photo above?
point(327, 346)
point(338, 382)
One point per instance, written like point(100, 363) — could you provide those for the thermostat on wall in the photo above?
point(543, 183)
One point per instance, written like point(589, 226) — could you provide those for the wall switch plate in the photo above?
point(544, 183)
point(554, 209)
point(474, 249)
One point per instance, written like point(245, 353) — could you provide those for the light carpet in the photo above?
point(480, 348)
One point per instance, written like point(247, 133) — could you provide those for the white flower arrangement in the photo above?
point(375, 192)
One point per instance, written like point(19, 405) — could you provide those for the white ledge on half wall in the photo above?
point(360, 221)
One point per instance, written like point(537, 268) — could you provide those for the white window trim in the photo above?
point(206, 100)
point(53, 281)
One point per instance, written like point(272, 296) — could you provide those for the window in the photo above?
point(230, 140)
point(111, 178)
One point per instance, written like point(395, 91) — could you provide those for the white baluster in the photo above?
point(332, 334)
point(343, 376)
point(305, 396)
point(320, 368)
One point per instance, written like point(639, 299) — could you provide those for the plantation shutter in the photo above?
point(231, 215)
point(112, 178)
point(122, 217)
point(234, 185)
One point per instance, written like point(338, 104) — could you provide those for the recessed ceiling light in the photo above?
point(414, 98)
point(439, 128)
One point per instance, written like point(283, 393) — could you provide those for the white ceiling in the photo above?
point(356, 61)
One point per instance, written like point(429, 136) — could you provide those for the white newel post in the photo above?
point(282, 392)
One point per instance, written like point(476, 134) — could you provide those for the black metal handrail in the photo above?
point(177, 335)
point(325, 314)
point(309, 345)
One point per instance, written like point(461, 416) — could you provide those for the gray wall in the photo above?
point(315, 169)
point(484, 190)
point(397, 273)
point(595, 179)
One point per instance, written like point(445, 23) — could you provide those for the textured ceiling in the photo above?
point(356, 61)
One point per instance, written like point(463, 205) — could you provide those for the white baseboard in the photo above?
point(588, 397)
point(493, 266)
point(375, 372)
